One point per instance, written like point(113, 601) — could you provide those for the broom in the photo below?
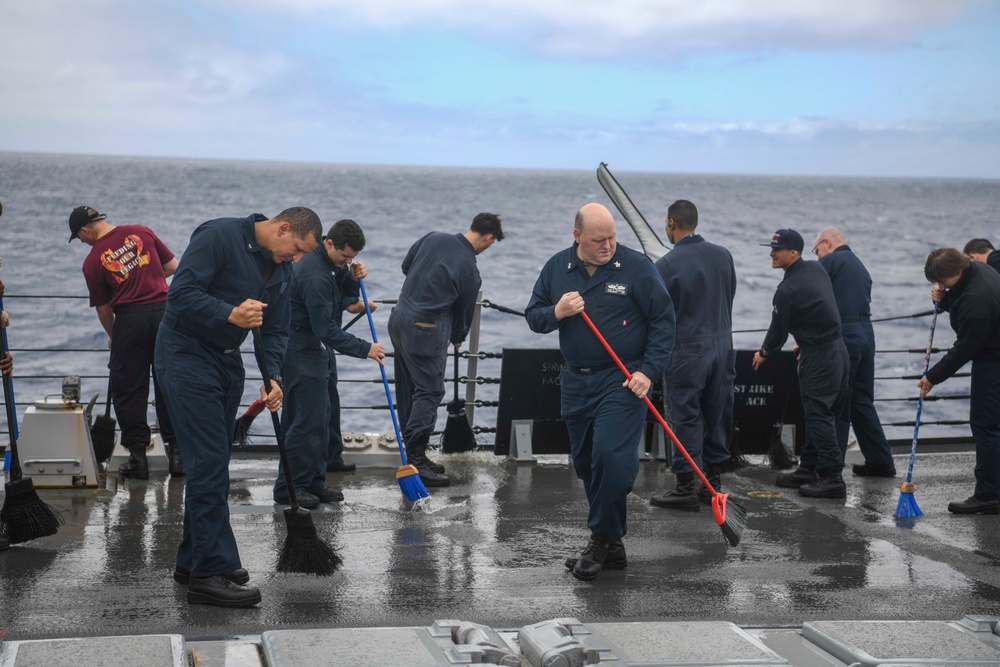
point(303, 550)
point(102, 433)
point(241, 435)
point(777, 453)
point(24, 515)
point(906, 507)
point(458, 435)
point(407, 476)
point(734, 521)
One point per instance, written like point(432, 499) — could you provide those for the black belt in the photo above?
point(175, 324)
point(859, 318)
point(821, 342)
point(123, 308)
point(587, 370)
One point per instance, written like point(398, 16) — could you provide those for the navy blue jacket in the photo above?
point(701, 279)
point(974, 306)
point(625, 298)
point(222, 267)
point(442, 281)
point(804, 306)
point(852, 284)
point(320, 292)
point(993, 259)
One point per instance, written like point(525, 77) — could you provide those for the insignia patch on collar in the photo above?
point(618, 289)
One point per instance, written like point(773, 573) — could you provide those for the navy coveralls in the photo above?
point(852, 288)
point(435, 306)
point(198, 363)
point(630, 306)
point(974, 306)
point(701, 279)
point(311, 414)
point(804, 306)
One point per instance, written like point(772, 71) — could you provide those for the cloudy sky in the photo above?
point(827, 87)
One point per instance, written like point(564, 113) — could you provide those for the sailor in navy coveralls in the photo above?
point(435, 307)
point(324, 283)
point(970, 293)
point(622, 293)
point(234, 276)
point(804, 306)
point(701, 279)
point(852, 287)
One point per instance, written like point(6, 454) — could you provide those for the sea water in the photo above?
point(890, 223)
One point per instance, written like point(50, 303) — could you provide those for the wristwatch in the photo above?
point(277, 378)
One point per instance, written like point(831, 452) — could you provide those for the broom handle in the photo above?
point(107, 404)
point(8, 395)
point(920, 399)
point(649, 404)
point(456, 373)
point(385, 380)
point(279, 434)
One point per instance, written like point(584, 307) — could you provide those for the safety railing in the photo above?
point(34, 379)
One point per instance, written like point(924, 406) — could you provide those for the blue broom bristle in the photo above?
point(907, 507)
point(412, 487)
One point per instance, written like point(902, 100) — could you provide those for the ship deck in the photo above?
point(490, 550)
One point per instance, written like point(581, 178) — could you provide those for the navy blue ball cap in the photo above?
point(786, 238)
point(80, 218)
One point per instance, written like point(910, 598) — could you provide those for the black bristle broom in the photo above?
point(303, 551)
point(458, 435)
point(24, 516)
point(732, 519)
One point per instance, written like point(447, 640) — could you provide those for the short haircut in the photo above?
point(347, 232)
point(979, 247)
point(487, 223)
point(684, 213)
point(303, 221)
point(945, 263)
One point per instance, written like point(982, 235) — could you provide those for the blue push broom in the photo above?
point(907, 507)
point(407, 475)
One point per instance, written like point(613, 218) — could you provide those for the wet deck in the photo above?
point(492, 552)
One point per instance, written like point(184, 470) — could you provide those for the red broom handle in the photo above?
point(649, 404)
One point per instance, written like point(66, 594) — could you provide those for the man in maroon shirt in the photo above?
point(126, 273)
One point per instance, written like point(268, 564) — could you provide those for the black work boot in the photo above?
point(975, 505)
point(591, 561)
point(137, 467)
point(829, 485)
point(868, 470)
point(682, 497)
point(174, 461)
point(416, 456)
point(615, 560)
point(714, 473)
point(796, 478)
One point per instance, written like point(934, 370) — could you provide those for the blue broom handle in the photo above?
point(385, 380)
point(10, 385)
point(920, 399)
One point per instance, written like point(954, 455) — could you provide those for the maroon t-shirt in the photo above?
point(126, 266)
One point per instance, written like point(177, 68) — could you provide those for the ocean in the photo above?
point(890, 223)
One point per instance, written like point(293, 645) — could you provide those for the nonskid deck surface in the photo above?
point(491, 550)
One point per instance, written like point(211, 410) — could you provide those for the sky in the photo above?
point(810, 87)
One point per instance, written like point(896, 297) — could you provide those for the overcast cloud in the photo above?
point(886, 87)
